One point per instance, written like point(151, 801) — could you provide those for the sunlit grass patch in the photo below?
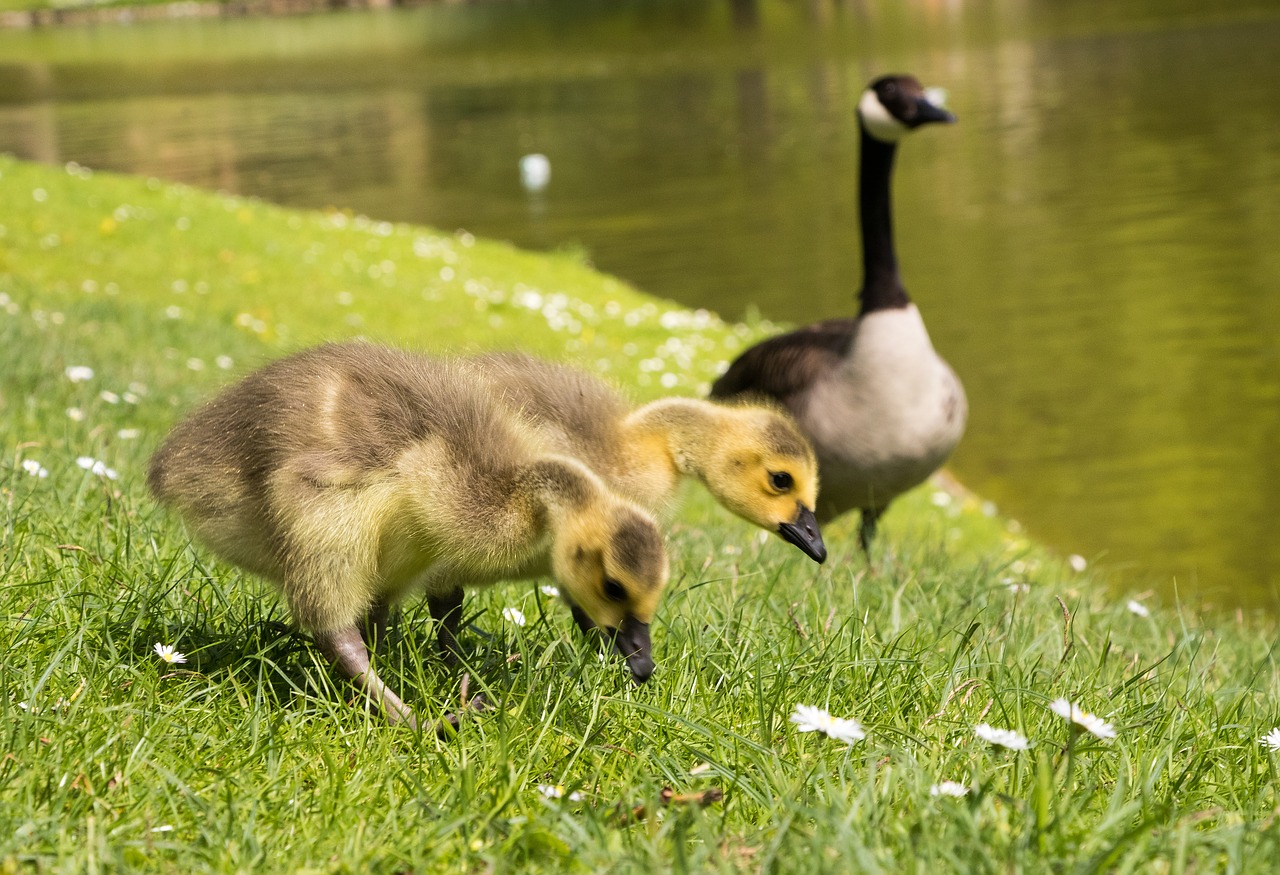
point(124, 303)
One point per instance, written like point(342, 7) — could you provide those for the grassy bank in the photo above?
point(247, 757)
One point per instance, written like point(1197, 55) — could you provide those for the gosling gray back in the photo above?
point(584, 412)
point(338, 415)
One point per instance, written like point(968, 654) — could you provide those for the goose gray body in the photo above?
point(882, 408)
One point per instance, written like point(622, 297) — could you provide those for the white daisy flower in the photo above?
point(34, 468)
point(1077, 562)
point(1137, 607)
point(513, 615)
point(949, 788)
point(1271, 739)
point(129, 434)
point(79, 373)
point(549, 591)
point(1001, 737)
point(169, 655)
point(1082, 719)
point(75, 414)
point(810, 719)
point(109, 396)
point(94, 466)
point(556, 791)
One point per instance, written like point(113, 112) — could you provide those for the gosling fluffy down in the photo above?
point(750, 456)
point(352, 474)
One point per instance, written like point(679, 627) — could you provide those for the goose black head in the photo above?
point(894, 105)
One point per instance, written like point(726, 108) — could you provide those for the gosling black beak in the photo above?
point(927, 112)
point(632, 641)
point(804, 533)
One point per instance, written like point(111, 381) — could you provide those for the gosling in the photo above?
point(751, 457)
point(352, 474)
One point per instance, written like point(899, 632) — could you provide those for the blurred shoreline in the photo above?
point(126, 14)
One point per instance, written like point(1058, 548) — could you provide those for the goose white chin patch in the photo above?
point(878, 121)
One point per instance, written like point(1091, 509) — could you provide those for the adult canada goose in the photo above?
point(351, 474)
point(883, 410)
point(750, 457)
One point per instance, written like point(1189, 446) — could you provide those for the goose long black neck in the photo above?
point(882, 287)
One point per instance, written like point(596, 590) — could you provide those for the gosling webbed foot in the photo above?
point(447, 726)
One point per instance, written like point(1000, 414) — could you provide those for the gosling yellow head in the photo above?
point(763, 469)
point(612, 565)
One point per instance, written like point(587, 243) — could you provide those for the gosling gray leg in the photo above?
point(346, 648)
point(375, 624)
point(446, 610)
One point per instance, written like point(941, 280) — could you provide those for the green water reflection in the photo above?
point(1096, 246)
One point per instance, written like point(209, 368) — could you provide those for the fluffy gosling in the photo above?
point(751, 457)
point(351, 475)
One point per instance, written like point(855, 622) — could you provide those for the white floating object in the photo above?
point(535, 171)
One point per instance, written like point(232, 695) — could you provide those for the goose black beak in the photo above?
point(632, 641)
point(927, 112)
point(804, 533)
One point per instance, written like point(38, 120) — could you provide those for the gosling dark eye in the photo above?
point(781, 481)
point(614, 591)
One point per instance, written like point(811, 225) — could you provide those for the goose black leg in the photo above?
point(867, 530)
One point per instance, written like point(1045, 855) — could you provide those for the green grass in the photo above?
point(248, 758)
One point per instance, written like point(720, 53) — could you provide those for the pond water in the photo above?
point(1095, 246)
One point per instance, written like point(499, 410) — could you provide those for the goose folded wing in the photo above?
point(786, 365)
